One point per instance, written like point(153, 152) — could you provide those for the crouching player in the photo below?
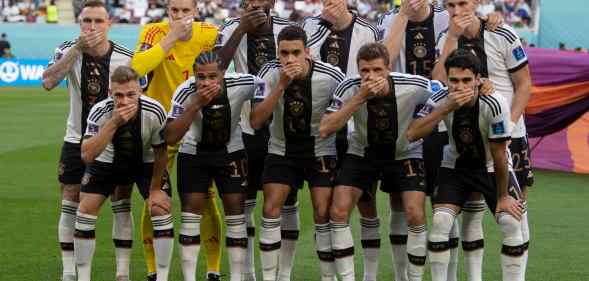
point(476, 160)
point(124, 145)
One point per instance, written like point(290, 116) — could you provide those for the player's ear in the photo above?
point(307, 53)
point(477, 80)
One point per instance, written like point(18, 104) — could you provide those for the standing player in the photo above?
point(335, 37)
point(382, 105)
point(410, 36)
point(205, 115)
point(123, 145)
point(505, 63)
point(165, 52)
point(297, 95)
point(474, 161)
point(87, 63)
point(250, 41)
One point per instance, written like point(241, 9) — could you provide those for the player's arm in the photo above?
point(98, 137)
point(499, 135)
point(148, 55)
point(396, 34)
point(248, 23)
point(431, 114)
point(157, 197)
point(264, 104)
point(178, 126)
point(448, 43)
point(60, 67)
point(523, 89)
point(341, 109)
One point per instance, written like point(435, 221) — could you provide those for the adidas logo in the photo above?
point(419, 36)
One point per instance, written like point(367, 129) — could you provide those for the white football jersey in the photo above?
point(501, 54)
point(87, 78)
point(152, 118)
point(240, 88)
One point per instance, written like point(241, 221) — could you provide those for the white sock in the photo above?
point(398, 237)
point(269, 247)
point(324, 251)
point(65, 231)
point(513, 248)
point(189, 244)
point(438, 246)
point(163, 244)
point(249, 267)
point(526, 239)
point(454, 239)
point(84, 244)
point(416, 251)
point(343, 250)
point(236, 242)
point(472, 238)
point(370, 238)
point(122, 235)
point(290, 234)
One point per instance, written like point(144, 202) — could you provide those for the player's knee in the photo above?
point(414, 215)
point(442, 222)
point(339, 213)
point(86, 208)
point(122, 192)
point(271, 209)
point(321, 213)
point(157, 211)
point(71, 192)
point(510, 228)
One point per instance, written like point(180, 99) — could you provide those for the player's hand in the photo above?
point(89, 40)
point(331, 11)
point(252, 19)
point(290, 72)
point(458, 24)
point(181, 28)
point(123, 114)
point(205, 94)
point(159, 199)
point(494, 20)
point(372, 87)
point(412, 7)
point(487, 87)
point(511, 206)
point(457, 99)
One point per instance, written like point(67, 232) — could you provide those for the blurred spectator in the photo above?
point(52, 13)
point(77, 5)
point(486, 7)
point(4, 45)
point(155, 12)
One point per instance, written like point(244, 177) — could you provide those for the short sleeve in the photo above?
point(344, 92)
point(180, 99)
point(516, 58)
point(499, 116)
point(432, 103)
point(440, 41)
point(225, 33)
point(259, 87)
point(157, 133)
point(95, 120)
point(267, 74)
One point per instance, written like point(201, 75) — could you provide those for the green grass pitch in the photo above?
point(33, 124)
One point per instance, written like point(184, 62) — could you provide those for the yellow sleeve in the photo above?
point(148, 51)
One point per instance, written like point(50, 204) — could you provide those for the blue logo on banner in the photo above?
point(22, 72)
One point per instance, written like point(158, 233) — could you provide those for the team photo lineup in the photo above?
point(425, 106)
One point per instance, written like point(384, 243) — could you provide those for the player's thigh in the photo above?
point(194, 175)
point(122, 192)
point(192, 202)
point(281, 175)
point(414, 206)
point(357, 172)
point(90, 203)
point(453, 188)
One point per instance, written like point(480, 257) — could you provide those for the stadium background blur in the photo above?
point(33, 121)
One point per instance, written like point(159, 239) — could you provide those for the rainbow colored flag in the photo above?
point(557, 116)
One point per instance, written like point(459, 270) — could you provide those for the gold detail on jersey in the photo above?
point(93, 88)
point(419, 50)
point(261, 51)
point(466, 135)
point(334, 50)
point(419, 36)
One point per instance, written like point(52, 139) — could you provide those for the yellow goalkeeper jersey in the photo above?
point(168, 70)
